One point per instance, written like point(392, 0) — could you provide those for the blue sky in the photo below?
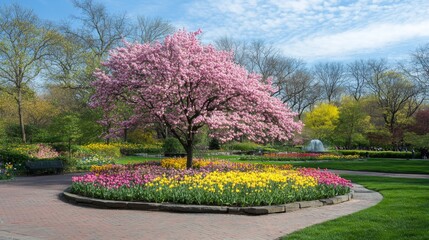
point(313, 30)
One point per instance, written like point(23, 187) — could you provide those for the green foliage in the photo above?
point(89, 127)
point(60, 147)
point(202, 139)
point(3, 135)
point(379, 138)
point(377, 154)
point(322, 121)
point(417, 141)
point(173, 146)
point(243, 146)
point(248, 147)
point(67, 128)
point(142, 136)
point(129, 149)
point(7, 171)
point(18, 158)
point(353, 123)
point(101, 149)
point(214, 144)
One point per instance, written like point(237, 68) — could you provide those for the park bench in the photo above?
point(44, 166)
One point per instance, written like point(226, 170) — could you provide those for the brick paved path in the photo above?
point(30, 208)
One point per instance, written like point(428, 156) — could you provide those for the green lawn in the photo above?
point(225, 157)
point(134, 159)
point(402, 214)
point(372, 164)
point(375, 165)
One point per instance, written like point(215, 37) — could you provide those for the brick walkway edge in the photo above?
point(30, 208)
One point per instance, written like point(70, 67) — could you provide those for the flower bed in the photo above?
point(86, 163)
point(213, 183)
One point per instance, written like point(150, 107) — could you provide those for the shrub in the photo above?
point(18, 159)
point(244, 146)
point(172, 146)
point(377, 154)
point(128, 149)
point(269, 149)
point(7, 171)
point(337, 157)
point(214, 144)
point(60, 147)
point(40, 151)
point(15, 158)
point(102, 149)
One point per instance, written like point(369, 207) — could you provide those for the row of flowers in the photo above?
point(211, 183)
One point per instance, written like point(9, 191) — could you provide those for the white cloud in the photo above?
point(308, 28)
point(353, 41)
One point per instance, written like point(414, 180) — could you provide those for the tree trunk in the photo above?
point(189, 153)
point(21, 118)
point(125, 135)
point(69, 148)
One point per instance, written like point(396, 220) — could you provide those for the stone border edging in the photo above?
point(184, 208)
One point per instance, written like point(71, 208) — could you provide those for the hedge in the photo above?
point(18, 159)
point(379, 154)
point(133, 149)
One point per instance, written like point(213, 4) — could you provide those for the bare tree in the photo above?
point(395, 94)
point(100, 30)
point(283, 69)
point(293, 83)
point(331, 76)
point(359, 74)
point(420, 64)
point(300, 91)
point(263, 59)
point(150, 30)
point(24, 44)
point(377, 69)
point(417, 69)
point(83, 49)
point(239, 48)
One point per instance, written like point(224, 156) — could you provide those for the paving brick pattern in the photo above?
point(30, 208)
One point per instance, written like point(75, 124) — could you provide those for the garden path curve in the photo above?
point(30, 208)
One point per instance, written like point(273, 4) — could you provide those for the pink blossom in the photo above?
point(325, 177)
point(186, 85)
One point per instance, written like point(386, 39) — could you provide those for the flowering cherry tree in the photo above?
point(186, 85)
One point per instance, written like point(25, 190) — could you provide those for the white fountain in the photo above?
point(315, 145)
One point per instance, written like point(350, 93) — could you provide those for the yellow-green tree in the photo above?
point(353, 122)
point(322, 121)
